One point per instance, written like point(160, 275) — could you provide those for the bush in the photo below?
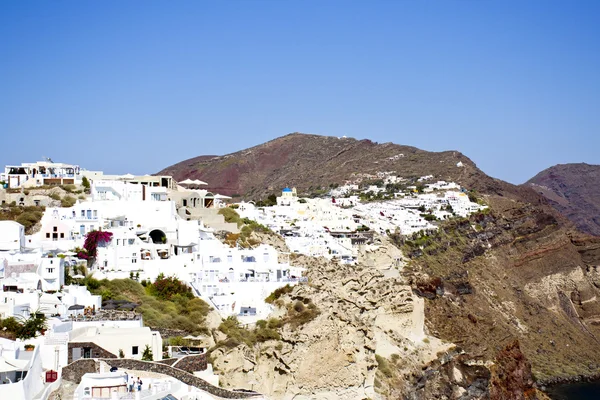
point(29, 218)
point(68, 201)
point(383, 366)
point(230, 215)
point(54, 196)
point(278, 293)
point(10, 324)
point(167, 287)
point(35, 324)
point(69, 188)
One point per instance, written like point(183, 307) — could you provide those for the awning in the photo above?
point(49, 299)
point(12, 365)
point(76, 307)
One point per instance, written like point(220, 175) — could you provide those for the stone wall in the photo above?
point(168, 361)
point(75, 370)
point(97, 351)
point(178, 374)
point(193, 363)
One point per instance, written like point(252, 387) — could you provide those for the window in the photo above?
point(50, 270)
point(134, 260)
point(82, 230)
point(62, 235)
point(55, 229)
point(118, 240)
point(82, 213)
point(95, 214)
point(131, 241)
point(134, 350)
point(87, 352)
point(87, 391)
point(48, 235)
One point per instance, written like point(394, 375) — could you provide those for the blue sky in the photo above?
point(136, 86)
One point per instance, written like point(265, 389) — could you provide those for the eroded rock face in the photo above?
point(364, 311)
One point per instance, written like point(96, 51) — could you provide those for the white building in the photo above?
point(21, 373)
point(12, 236)
point(130, 340)
point(41, 173)
point(288, 197)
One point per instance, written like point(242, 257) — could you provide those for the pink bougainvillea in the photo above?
point(91, 242)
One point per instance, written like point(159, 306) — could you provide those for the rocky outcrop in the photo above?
point(511, 376)
point(364, 312)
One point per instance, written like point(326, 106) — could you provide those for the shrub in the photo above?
point(277, 293)
point(10, 324)
point(167, 287)
point(33, 325)
point(69, 188)
point(383, 366)
point(68, 201)
point(298, 314)
point(92, 239)
point(54, 196)
point(29, 218)
point(230, 215)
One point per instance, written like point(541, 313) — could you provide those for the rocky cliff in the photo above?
point(574, 190)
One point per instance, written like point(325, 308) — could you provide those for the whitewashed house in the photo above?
point(12, 236)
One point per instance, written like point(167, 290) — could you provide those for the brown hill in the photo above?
point(574, 190)
point(309, 162)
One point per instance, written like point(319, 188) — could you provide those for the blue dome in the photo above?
point(287, 189)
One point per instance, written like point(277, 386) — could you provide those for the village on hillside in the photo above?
point(64, 229)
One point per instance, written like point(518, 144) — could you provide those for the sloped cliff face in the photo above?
point(574, 190)
point(364, 311)
point(515, 272)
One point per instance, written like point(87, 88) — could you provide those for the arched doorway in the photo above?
point(158, 237)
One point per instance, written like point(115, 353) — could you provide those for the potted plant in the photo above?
point(29, 347)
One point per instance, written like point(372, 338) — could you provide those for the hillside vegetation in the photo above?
point(164, 304)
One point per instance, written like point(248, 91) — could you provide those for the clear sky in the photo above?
point(135, 86)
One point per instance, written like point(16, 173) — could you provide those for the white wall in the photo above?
point(12, 236)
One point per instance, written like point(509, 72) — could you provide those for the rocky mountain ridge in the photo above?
point(574, 190)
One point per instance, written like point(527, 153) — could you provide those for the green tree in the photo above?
point(147, 354)
point(86, 184)
point(33, 325)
